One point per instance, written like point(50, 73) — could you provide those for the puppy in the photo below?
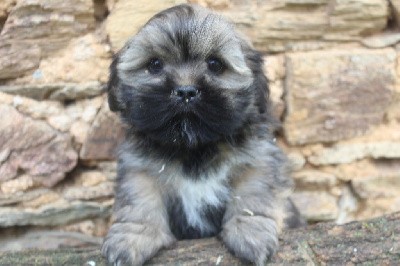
point(199, 158)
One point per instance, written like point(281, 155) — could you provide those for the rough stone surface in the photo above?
point(55, 91)
point(296, 160)
point(381, 142)
point(32, 108)
point(336, 94)
point(22, 183)
point(381, 41)
point(16, 59)
point(316, 205)
point(274, 69)
point(377, 207)
point(47, 239)
point(54, 214)
point(127, 17)
point(88, 185)
point(85, 59)
point(46, 26)
point(314, 179)
point(276, 26)
point(102, 190)
point(346, 153)
point(370, 242)
point(5, 8)
point(20, 197)
point(372, 187)
point(104, 137)
point(364, 169)
point(97, 227)
point(34, 148)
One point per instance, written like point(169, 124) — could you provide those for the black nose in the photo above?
point(186, 93)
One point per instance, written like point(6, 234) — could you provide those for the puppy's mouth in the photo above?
point(188, 116)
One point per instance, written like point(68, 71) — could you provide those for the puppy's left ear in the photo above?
point(255, 62)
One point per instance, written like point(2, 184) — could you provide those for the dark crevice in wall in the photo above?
point(2, 22)
point(393, 23)
point(100, 10)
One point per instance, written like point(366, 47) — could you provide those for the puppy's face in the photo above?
point(187, 79)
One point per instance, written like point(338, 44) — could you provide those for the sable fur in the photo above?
point(201, 168)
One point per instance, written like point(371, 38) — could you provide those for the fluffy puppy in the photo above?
point(199, 158)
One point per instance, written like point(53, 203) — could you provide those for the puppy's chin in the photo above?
point(189, 131)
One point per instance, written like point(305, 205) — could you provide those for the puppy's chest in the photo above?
point(196, 207)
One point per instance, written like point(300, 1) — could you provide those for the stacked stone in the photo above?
point(334, 71)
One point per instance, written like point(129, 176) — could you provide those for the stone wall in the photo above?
point(334, 71)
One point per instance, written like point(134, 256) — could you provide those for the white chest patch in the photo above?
point(197, 195)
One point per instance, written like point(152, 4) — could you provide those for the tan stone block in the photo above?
point(102, 190)
point(85, 227)
point(60, 122)
point(336, 94)
point(41, 200)
point(282, 25)
point(213, 4)
point(381, 142)
point(372, 187)
point(85, 59)
point(18, 58)
point(85, 109)
point(365, 171)
point(22, 183)
point(296, 160)
point(79, 131)
point(316, 205)
point(53, 21)
point(5, 7)
point(342, 153)
point(93, 227)
point(34, 148)
point(6, 98)
point(378, 207)
point(104, 137)
point(89, 178)
point(127, 17)
point(36, 109)
point(56, 213)
point(314, 179)
point(274, 69)
point(349, 19)
point(36, 28)
point(382, 40)
point(55, 91)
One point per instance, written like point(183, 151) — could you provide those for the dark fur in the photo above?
point(199, 168)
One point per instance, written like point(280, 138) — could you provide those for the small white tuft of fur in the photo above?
point(196, 195)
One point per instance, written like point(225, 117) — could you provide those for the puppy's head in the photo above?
point(187, 78)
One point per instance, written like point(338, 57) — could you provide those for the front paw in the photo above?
point(252, 238)
point(133, 244)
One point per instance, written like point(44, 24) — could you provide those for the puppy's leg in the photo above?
point(254, 215)
point(141, 224)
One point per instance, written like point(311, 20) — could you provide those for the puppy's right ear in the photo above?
point(113, 86)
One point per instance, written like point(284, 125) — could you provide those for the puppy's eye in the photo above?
point(215, 65)
point(155, 66)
